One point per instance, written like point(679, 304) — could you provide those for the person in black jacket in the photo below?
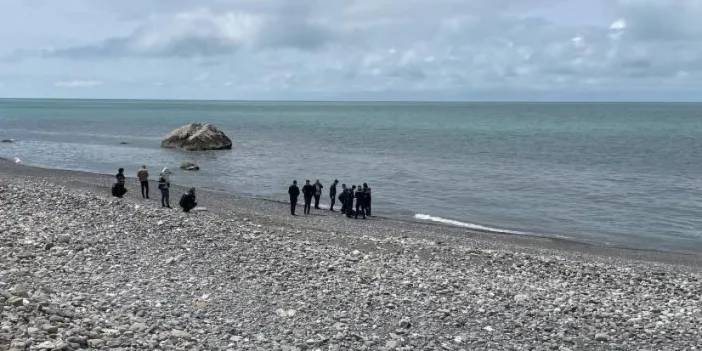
point(360, 203)
point(294, 192)
point(187, 201)
point(332, 194)
point(308, 192)
point(367, 190)
point(349, 201)
point(317, 193)
point(342, 197)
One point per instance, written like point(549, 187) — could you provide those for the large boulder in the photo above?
point(196, 137)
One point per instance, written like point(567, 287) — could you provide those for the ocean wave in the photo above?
point(456, 223)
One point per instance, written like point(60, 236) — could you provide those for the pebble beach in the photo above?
point(82, 270)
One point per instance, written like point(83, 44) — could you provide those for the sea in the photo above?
point(617, 174)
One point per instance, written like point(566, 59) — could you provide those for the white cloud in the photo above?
point(78, 83)
point(619, 24)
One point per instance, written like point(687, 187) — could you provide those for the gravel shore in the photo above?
point(79, 269)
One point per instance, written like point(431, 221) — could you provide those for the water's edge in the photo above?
point(423, 219)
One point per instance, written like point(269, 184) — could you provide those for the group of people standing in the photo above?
point(187, 201)
point(362, 195)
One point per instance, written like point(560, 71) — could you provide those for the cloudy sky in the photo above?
point(355, 49)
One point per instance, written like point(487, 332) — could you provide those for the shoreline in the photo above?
point(222, 202)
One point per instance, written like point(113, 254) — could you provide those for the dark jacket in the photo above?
point(294, 191)
point(332, 190)
point(187, 202)
point(308, 191)
point(360, 198)
point(163, 184)
point(317, 189)
point(120, 178)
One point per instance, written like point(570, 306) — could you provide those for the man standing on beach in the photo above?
point(342, 197)
point(360, 203)
point(349, 201)
point(143, 176)
point(367, 190)
point(294, 192)
point(307, 192)
point(332, 194)
point(317, 193)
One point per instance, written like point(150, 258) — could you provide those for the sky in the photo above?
point(458, 50)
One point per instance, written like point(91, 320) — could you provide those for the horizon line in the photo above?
point(359, 100)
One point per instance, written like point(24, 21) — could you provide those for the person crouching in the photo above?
point(187, 201)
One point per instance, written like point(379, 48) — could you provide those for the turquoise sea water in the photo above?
point(614, 173)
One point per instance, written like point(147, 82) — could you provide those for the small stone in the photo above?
point(180, 334)
point(601, 337)
point(405, 323)
point(16, 301)
point(46, 345)
point(520, 298)
point(95, 343)
point(51, 329)
point(139, 327)
point(20, 291)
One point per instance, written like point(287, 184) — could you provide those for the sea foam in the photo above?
point(452, 222)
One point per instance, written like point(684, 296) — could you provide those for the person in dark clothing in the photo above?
point(120, 176)
point(349, 201)
point(143, 176)
point(367, 190)
point(360, 203)
point(118, 189)
point(317, 193)
point(164, 186)
point(332, 194)
point(294, 192)
point(308, 192)
point(187, 201)
point(342, 197)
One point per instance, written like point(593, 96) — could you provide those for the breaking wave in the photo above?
point(452, 222)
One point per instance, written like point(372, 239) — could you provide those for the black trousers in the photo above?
point(349, 208)
point(165, 198)
point(308, 205)
point(293, 204)
point(316, 201)
point(145, 189)
point(360, 209)
point(368, 207)
point(332, 200)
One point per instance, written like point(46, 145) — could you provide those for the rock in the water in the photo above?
point(189, 166)
point(8, 140)
point(197, 136)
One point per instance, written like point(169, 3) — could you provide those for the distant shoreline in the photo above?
point(225, 202)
